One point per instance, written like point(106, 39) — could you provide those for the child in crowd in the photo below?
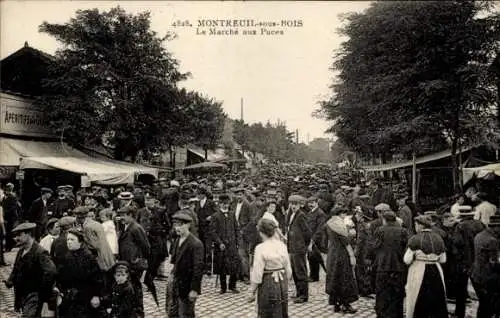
point(122, 301)
point(106, 217)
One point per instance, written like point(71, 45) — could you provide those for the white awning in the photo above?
point(56, 155)
point(481, 172)
point(409, 163)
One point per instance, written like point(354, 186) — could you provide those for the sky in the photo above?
point(279, 76)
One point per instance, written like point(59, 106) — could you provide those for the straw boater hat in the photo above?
point(126, 195)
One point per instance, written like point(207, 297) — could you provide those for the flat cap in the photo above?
point(175, 183)
point(52, 221)
point(46, 190)
point(389, 216)
point(162, 179)
point(67, 221)
point(383, 207)
point(27, 226)
point(296, 198)
point(81, 210)
point(121, 266)
point(424, 220)
point(183, 216)
point(126, 195)
point(224, 198)
point(237, 190)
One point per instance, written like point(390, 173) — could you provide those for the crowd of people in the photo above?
point(85, 254)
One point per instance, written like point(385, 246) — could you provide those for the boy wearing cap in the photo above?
point(184, 284)
point(123, 300)
point(33, 274)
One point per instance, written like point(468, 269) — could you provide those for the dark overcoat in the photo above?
point(32, 273)
point(188, 266)
point(298, 233)
point(133, 245)
point(340, 280)
point(224, 229)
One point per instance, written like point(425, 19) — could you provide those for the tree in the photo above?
point(412, 76)
point(113, 77)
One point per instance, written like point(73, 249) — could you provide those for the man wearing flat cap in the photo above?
point(184, 284)
point(38, 212)
point(204, 209)
point(298, 239)
point(33, 274)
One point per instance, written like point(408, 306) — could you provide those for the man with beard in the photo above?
point(224, 230)
point(62, 205)
point(298, 239)
point(33, 274)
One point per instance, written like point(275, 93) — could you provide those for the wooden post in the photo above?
point(414, 180)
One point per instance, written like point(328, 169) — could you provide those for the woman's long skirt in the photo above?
point(431, 301)
point(272, 296)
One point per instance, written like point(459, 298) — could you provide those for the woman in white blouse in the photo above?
point(269, 215)
point(270, 273)
point(425, 287)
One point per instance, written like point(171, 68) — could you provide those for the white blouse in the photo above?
point(270, 255)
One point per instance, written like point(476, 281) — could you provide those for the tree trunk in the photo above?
point(206, 154)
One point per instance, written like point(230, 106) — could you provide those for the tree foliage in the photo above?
point(115, 81)
point(413, 77)
point(409, 73)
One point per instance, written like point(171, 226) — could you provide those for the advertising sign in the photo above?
point(21, 118)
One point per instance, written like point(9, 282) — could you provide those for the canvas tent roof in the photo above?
point(56, 155)
point(481, 172)
point(409, 163)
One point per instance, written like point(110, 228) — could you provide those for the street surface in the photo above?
point(213, 305)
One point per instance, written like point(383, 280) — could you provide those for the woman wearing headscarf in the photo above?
point(340, 279)
point(425, 287)
point(270, 273)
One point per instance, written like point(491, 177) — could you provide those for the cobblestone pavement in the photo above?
point(213, 305)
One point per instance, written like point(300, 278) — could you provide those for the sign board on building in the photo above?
point(18, 116)
point(85, 181)
point(20, 175)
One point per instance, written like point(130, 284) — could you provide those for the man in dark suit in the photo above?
point(463, 250)
point(316, 219)
point(38, 212)
point(33, 274)
point(486, 269)
point(205, 208)
point(390, 244)
point(63, 205)
point(133, 247)
point(12, 214)
point(185, 282)
point(243, 213)
point(224, 231)
point(298, 239)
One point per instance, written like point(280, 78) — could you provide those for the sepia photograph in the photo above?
point(249, 159)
